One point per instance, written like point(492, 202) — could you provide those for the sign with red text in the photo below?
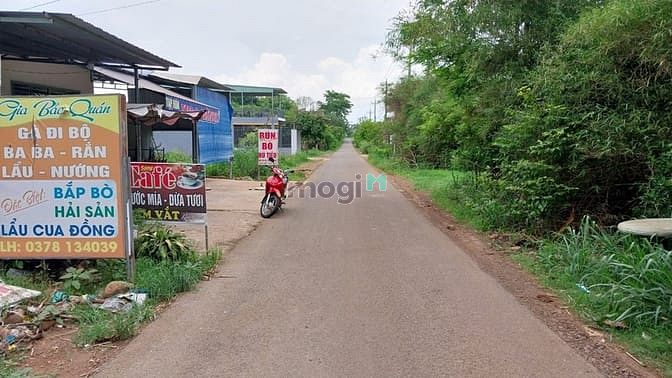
point(268, 146)
point(62, 186)
point(169, 192)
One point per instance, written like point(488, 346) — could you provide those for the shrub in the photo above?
point(177, 157)
point(159, 242)
point(597, 115)
point(76, 280)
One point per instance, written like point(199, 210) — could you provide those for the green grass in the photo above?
point(9, 369)
point(162, 280)
point(165, 279)
point(34, 283)
point(245, 165)
point(295, 161)
point(628, 278)
point(454, 191)
point(96, 325)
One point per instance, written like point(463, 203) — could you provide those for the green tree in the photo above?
point(481, 52)
point(313, 126)
point(336, 106)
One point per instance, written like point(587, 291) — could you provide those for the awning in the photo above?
point(64, 38)
point(154, 114)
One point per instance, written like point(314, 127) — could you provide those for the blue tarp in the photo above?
point(215, 134)
point(215, 130)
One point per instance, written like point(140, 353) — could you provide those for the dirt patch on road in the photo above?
point(595, 346)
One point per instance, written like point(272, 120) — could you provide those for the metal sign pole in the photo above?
point(130, 253)
point(130, 256)
point(207, 247)
point(231, 168)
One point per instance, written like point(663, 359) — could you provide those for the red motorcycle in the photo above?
point(276, 184)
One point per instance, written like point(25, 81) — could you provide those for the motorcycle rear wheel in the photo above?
point(269, 206)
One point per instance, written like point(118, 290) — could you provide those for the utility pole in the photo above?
point(375, 105)
point(385, 102)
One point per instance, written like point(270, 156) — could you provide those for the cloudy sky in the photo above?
point(303, 46)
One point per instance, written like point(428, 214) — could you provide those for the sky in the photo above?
point(305, 47)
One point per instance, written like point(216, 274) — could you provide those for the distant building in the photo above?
point(248, 117)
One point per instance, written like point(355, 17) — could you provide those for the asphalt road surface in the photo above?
point(366, 289)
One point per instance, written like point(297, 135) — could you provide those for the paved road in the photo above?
point(369, 289)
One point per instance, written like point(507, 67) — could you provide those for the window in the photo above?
point(29, 89)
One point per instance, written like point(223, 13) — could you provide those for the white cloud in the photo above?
point(359, 78)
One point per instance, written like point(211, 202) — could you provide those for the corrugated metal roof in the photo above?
point(256, 121)
point(255, 90)
point(200, 81)
point(124, 77)
point(64, 38)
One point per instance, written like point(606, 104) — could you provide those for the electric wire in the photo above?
point(119, 7)
point(41, 4)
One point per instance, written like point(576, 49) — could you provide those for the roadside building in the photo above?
point(249, 116)
point(215, 131)
point(50, 54)
point(150, 117)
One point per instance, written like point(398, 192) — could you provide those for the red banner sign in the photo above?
point(169, 192)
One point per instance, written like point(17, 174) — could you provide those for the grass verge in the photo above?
point(162, 280)
point(245, 164)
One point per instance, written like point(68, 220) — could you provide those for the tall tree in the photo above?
point(336, 106)
point(481, 51)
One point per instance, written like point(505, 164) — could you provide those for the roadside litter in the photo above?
point(10, 295)
point(25, 320)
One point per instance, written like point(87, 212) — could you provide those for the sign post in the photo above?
point(170, 192)
point(268, 146)
point(63, 185)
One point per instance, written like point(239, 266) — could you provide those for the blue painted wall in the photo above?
point(215, 133)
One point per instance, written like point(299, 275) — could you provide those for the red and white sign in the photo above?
point(268, 146)
point(169, 192)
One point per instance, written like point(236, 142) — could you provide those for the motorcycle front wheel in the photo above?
point(269, 206)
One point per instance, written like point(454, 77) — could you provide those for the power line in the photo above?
point(41, 4)
point(120, 7)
